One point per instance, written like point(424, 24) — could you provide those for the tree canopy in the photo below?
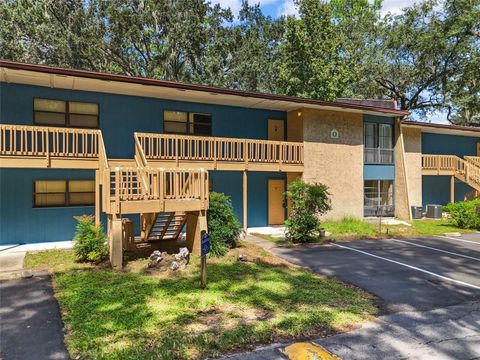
point(427, 58)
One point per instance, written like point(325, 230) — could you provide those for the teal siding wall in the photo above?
point(20, 222)
point(436, 189)
point(230, 183)
point(120, 117)
point(449, 144)
point(379, 172)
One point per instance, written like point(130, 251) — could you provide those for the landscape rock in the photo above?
point(242, 257)
point(162, 261)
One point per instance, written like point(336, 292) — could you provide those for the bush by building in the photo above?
point(308, 202)
point(223, 225)
point(89, 243)
point(464, 214)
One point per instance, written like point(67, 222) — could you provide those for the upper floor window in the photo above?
point(65, 113)
point(378, 141)
point(189, 123)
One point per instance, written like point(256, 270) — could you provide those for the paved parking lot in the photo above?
point(429, 290)
point(405, 274)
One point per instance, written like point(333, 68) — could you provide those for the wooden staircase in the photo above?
point(163, 226)
point(466, 170)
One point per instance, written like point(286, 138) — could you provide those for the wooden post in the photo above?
point(196, 222)
point(97, 197)
point(245, 193)
point(115, 241)
point(452, 188)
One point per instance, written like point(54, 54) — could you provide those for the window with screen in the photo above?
point(378, 142)
point(65, 113)
point(188, 123)
point(58, 193)
point(378, 198)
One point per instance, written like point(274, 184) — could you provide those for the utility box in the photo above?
point(417, 212)
point(434, 211)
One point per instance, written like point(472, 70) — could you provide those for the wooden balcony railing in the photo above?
point(474, 160)
point(51, 142)
point(124, 187)
point(177, 148)
point(443, 163)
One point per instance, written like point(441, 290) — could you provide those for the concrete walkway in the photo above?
point(12, 248)
point(11, 261)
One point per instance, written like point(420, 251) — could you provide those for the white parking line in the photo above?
point(456, 239)
point(408, 266)
point(435, 249)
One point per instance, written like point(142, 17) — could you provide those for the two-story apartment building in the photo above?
point(76, 142)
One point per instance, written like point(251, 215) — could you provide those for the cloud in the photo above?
point(395, 6)
point(288, 8)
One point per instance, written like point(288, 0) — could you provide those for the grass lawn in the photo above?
point(136, 315)
point(352, 229)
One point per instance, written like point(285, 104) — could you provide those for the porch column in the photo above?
point(97, 197)
point(196, 223)
point(452, 188)
point(115, 241)
point(245, 187)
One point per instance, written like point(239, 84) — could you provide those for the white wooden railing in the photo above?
point(177, 148)
point(465, 170)
point(44, 141)
point(127, 185)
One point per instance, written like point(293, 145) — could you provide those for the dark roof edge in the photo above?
point(186, 86)
point(440, 126)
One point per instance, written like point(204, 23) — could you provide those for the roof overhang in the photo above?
point(443, 128)
point(62, 78)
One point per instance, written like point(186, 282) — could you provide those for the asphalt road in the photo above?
point(428, 289)
point(30, 324)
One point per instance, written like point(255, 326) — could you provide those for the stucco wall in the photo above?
point(413, 159)
point(338, 163)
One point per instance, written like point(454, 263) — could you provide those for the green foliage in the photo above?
point(223, 225)
point(309, 201)
point(89, 243)
point(464, 214)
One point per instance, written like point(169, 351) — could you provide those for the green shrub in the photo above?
point(464, 214)
point(309, 201)
point(89, 243)
point(223, 225)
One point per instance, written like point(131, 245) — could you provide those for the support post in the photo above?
point(115, 241)
point(196, 222)
point(97, 197)
point(245, 187)
point(452, 188)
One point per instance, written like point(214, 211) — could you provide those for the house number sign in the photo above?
point(334, 134)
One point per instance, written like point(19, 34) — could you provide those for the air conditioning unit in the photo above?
point(434, 211)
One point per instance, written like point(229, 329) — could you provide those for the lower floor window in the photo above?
point(378, 198)
point(48, 193)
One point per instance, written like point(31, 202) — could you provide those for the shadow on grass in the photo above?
point(113, 315)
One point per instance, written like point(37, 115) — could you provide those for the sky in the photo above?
point(277, 8)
